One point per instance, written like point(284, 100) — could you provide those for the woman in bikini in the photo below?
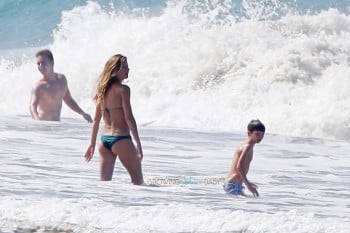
point(113, 104)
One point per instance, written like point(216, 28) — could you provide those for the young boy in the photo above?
point(240, 163)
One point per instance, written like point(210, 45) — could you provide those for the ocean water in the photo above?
point(199, 71)
point(46, 186)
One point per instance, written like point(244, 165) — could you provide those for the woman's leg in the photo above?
point(107, 161)
point(128, 157)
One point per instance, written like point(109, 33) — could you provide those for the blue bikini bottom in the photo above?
point(109, 140)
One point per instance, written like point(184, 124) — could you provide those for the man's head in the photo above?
point(44, 60)
point(256, 130)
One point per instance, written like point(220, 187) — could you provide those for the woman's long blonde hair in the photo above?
point(109, 73)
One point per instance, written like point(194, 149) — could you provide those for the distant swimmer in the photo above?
point(50, 91)
point(241, 162)
point(113, 104)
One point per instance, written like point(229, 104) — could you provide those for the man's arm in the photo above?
point(72, 104)
point(34, 101)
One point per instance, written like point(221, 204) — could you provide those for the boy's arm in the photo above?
point(241, 170)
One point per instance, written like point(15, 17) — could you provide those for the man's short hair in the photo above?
point(256, 125)
point(45, 53)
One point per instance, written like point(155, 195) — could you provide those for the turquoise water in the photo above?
point(26, 23)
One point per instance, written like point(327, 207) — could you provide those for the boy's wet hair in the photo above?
point(45, 53)
point(256, 125)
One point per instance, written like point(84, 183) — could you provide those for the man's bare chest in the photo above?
point(52, 91)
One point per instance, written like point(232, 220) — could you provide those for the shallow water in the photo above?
point(47, 185)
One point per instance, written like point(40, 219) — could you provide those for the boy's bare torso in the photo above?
point(233, 176)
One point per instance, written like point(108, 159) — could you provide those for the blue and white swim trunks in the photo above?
point(233, 188)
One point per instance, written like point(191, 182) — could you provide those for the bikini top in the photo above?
point(108, 110)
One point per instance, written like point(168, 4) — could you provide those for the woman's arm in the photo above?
point(129, 117)
point(90, 151)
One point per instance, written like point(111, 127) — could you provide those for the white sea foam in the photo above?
point(86, 215)
point(203, 68)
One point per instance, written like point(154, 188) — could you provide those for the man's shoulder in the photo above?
point(61, 80)
point(38, 85)
point(61, 77)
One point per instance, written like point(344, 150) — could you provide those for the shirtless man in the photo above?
point(49, 92)
point(240, 164)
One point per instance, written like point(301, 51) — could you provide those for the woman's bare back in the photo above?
point(113, 113)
